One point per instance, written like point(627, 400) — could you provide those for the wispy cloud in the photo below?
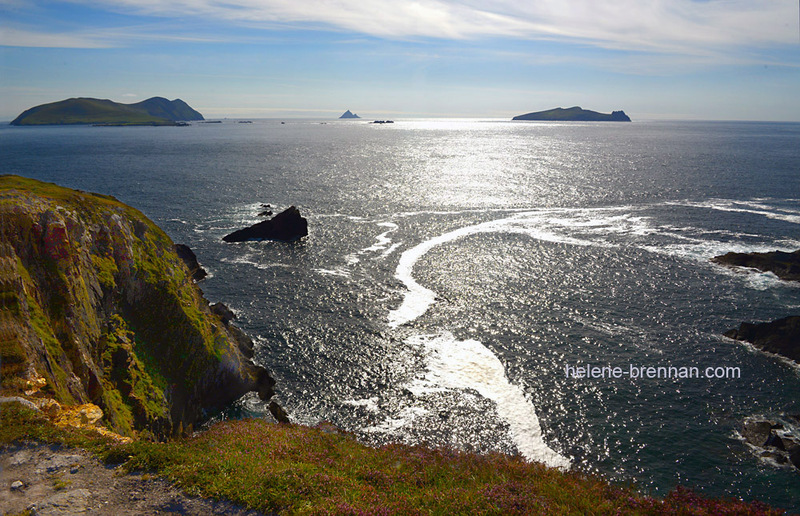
point(675, 26)
point(10, 37)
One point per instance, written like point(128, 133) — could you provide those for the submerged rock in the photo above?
point(286, 226)
point(784, 265)
point(781, 336)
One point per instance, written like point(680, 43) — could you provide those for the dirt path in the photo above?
point(57, 480)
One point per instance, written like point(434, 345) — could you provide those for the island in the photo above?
point(349, 114)
point(575, 114)
point(155, 111)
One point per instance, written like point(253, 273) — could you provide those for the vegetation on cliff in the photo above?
point(97, 307)
point(575, 114)
point(153, 111)
point(293, 469)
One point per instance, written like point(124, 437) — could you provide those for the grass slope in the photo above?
point(292, 469)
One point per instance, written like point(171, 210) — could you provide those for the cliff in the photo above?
point(575, 114)
point(97, 307)
point(153, 111)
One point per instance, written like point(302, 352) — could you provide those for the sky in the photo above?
point(655, 59)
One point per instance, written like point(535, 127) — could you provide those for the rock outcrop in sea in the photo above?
point(349, 114)
point(773, 440)
point(781, 336)
point(286, 226)
point(784, 265)
point(98, 308)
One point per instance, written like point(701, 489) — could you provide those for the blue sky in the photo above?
point(684, 59)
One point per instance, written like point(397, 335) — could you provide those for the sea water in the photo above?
point(457, 269)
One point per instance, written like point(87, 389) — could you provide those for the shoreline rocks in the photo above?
point(784, 265)
point(774, 440)
point(287, 226)
point(781, 336)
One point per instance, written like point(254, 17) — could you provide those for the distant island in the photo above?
point(349, 114)
point(575, 114)
point(153, 111)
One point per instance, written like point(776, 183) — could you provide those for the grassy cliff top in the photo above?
point(293, 469)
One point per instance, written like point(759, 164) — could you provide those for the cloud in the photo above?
point(10, 37)
point(680, 26)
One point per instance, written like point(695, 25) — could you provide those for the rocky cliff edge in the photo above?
point(97, 308)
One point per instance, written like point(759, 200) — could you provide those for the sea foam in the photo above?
point(468, 364)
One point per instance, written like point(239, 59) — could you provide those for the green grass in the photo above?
point(294, 469)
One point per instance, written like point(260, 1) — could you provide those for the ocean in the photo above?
point(459, 272)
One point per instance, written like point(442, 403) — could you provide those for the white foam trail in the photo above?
point(382, 242)
point(468, 364)
point(370, 404)
point(760, 209)
point(333, 272)
point(418, 299)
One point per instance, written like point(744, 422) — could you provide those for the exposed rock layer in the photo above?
point(99, 308)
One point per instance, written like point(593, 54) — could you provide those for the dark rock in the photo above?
point(775, 441)
point(224, 313)
point(781, 336)
point(794, 457)
point(757, 432)
point(286, 226)
point(190, 259)
point(278, 413)
point(266, 211)
point(784, 265)
point(244, 342)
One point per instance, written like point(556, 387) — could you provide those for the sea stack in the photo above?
point(286, 226)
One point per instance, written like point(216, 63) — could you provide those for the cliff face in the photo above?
point(97, 304)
